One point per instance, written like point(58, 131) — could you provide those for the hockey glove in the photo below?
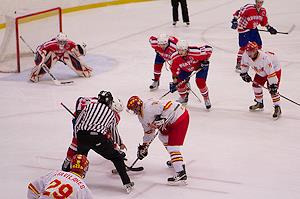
point(272, 30)
point(273, 89)
point(158, 121)
point(234, 23)
point(142, 151)
point(246, 77)
point(173, 87)
point(204, 64)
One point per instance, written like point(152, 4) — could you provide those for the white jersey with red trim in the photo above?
point(59, 184)
point(266, 64)
point(152, 108)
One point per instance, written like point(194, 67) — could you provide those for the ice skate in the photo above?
point(187, 24)
point(179, 179)
point(174, 23)
point(277, 112)
point(154, 85)
point(129, 187)
point(259, 106)
point(207, 104)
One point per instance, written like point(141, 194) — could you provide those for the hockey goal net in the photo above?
point(35, 28)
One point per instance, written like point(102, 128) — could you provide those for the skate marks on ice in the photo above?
point(194, 183)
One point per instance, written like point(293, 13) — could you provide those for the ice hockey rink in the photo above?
point(230, 153)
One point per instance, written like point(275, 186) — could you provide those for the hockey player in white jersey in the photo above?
point(267, 69)
point(61, 184)
point(171, 119)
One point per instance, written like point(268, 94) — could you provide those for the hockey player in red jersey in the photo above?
point(186, 60)
point(60, 49)
point(81, 103)
point(164, 47)
point(267, 69)
point(61, 184)
point(171, 120)
point(246, 20)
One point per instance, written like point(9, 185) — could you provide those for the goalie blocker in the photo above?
point(63, 50)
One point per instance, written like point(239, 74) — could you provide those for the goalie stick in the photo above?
point(46, 69)
point(279, 32)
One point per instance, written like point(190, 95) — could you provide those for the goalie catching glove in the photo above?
point(142, 151)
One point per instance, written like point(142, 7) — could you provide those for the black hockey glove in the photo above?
point(204, 64)
point(234, 23)
point(142, 151)
point(246, 77)
point(272, 30)
point(172, 87)
point(159, 121)
point(273, 89)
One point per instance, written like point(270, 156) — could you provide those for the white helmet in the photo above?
point(162, 39)
point(117, 105)
point(182, 45)
point(61, 38)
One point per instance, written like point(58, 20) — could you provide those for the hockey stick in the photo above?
point(184, 81)
point(131, 168)
point(46, 69)
point(67, 109)
point(278, 32)
point(194, 93)
point(278, 93)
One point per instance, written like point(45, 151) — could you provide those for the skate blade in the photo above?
point(178, 183)
point(256, 110)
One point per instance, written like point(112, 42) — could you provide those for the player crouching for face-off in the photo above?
point(117, 106)
point(60, 49)
point(171, 120)
point(267, 69)
point(61, 184)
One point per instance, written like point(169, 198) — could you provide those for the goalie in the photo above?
point(60, 49)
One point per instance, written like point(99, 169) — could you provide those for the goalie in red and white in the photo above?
point(60, 49)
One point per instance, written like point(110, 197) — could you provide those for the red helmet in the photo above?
point(134, 104)
point(79, 165)
point(251, 48)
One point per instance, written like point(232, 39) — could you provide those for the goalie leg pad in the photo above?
point(77, 66)
point(37, 72)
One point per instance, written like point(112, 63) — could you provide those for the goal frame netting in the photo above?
point(23, 19)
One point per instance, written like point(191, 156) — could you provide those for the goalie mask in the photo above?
point(134, 105)
point(61, 39)
point(79, 165)
point(105, 97)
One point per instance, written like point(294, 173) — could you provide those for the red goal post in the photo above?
point(36, 28)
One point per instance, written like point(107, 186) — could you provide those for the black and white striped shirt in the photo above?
point(97, 117)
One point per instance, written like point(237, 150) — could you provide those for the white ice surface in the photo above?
point(230, 152)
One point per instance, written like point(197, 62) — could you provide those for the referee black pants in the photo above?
point(104, 147)
point(184, 10)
